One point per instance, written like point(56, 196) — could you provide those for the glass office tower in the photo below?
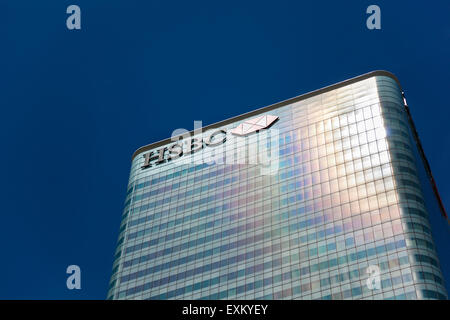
point(339, 208)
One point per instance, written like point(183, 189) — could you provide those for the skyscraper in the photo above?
point(324, 196)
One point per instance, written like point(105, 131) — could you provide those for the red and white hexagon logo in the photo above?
point(254, 125)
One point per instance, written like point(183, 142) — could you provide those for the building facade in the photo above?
point(317, 197)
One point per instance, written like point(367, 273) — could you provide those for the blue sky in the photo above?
point(76, 104)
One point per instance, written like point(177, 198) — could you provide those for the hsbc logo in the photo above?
point(242, 146)
point(254, 125)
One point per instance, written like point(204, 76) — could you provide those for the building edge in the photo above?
point(273, 106)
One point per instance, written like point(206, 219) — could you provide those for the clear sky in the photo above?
point(75, 104)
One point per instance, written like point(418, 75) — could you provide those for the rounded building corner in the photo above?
point(385, 73)
point(138, 151)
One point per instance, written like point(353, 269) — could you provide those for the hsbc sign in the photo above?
point(176, 150)
point(187, 145)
